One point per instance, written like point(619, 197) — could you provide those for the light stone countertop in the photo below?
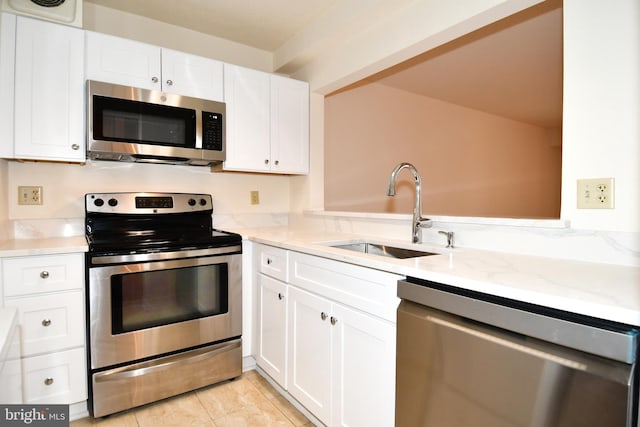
point(604, 291)
point(44, 246)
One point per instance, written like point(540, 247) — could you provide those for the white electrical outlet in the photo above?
point(255, 197)
point(28, 195)
point(596, 193)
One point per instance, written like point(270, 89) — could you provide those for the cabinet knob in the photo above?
point(266, 161)
point(75, 147)
point(269, 261)
point(169, 82)
point(323, 316)
point(277, 162)
point(154, 79)
point(46, 322)
point(48, 381)
point(280, 296)
point(44, 274)
point(334, 320)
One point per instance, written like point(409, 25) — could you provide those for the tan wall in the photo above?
point(471, 163)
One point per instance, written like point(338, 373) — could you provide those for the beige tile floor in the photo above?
point(246, 401)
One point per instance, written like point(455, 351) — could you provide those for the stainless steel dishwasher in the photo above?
point(471, 359)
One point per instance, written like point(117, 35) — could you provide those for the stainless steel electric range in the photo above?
point(164, 299)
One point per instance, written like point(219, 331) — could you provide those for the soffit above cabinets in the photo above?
point(265, 25)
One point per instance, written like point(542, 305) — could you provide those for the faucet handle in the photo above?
point(449, 235)
point(424, 222)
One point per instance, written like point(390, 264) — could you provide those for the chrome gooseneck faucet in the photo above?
point(418, 220)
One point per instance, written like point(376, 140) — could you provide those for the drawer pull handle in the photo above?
point(323, 316)
point(269, 261)
point(280, 296)
point(334, 320)
point(46, 322)
point(48, 381)
point(44, 274)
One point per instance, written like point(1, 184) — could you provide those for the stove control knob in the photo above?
point(113, 202)
point(192, 202)
point(203, 202)
point(98, 202)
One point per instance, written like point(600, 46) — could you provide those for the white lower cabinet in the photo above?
point(58, 377)
point(363, 369)
point(48, 293)
point(318, 341)
point(272, 337)
point(310, 352)
point(341, 362)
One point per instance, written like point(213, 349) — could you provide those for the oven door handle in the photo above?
point(163, 256)
point(166, 363)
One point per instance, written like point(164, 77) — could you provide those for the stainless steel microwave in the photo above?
point(139, 125)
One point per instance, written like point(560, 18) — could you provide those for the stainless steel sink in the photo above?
point(382, 250)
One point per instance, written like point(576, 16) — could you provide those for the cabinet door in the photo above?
point(7, 68)
point(309, 364)
point(49, 91)
point(363, 369)
point(247, 98)
point(192, 75)
point(289, 125)
point(126, 62)
point(272, 328)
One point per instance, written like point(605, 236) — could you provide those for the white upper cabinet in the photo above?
point(7, 68)
point(247, 96)
point(289, 125)
point(267, 122)
point(192, 75)
point(49, 94)
point(130, 63)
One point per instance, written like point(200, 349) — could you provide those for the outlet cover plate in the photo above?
point(596, 193)
point(29, 195)
point(255, 197)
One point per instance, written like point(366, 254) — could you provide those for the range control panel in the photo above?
point(147, 203)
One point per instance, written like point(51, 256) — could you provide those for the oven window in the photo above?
point(154, 298)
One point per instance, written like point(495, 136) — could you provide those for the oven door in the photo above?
point(146, 309)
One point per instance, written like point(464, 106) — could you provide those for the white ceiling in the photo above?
point(512, 68)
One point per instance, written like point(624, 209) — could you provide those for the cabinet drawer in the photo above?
point(369, 290)
point(50, 322)
point(47, 273)
point(55, 378)
point(272, 262)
